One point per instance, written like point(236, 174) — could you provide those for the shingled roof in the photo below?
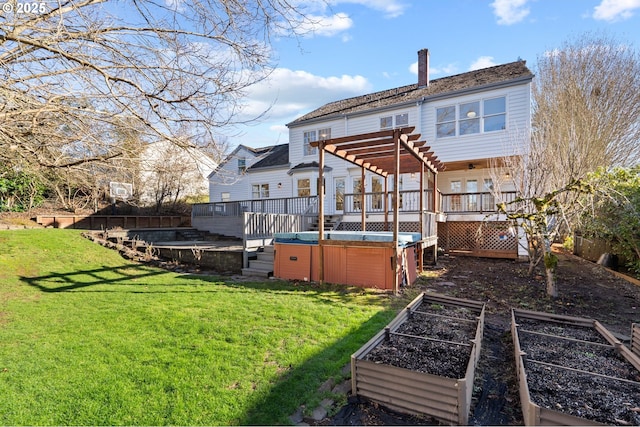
point(472, 80)
point(277, 155)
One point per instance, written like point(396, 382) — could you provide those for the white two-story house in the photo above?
point(469, 121)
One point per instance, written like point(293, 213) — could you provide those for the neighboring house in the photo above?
point(234, 179)
point(470, 121)
point(169, 173)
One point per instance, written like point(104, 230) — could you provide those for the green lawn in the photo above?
point(88, 338)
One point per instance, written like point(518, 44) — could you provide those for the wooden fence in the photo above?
point(105, 222)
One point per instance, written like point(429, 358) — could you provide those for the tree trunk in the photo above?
point(552, 290)
point(550, 264)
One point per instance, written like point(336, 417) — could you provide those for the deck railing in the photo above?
point(352, 203)
point(376, 202)
point(287, 205)
point(474, 202)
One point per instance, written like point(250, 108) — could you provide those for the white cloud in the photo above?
point(445, 70)
point(290, 93)
point(391, 8)
point(615, 10)
point(510, 11)
point(482, 62)
point(327, 26)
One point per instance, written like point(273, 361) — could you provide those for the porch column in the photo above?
point(421, 219)
point(436, 207)
point(386, 203)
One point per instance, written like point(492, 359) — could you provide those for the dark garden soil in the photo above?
point(584, 290)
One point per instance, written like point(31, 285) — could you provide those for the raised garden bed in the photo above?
point(573, 371)
point(635, 338)
point(424, 361)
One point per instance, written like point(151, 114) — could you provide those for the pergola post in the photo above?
point(421, 218)
point(363, 204)
point(321, 211)
point(396, 199)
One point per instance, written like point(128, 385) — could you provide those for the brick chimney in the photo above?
point(423, 68)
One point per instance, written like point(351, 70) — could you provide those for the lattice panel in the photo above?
point(476, 236)
point(405, 227)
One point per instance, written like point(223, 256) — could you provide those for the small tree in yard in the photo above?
point(543, 219)
point(615, 213)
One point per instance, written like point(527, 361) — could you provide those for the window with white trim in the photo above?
point(495, 114)
point(309, 137)
point(446, 122)
point(242, 165)
point(260, 191)
point(314, 135)
point(304, 187)
point(481, 116)
point(399, 120)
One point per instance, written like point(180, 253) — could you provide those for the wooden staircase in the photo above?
point(263, 265)
point(330, 222)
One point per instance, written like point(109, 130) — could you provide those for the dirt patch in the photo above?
point(584, 290)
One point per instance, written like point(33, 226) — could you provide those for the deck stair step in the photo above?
point(330, 223)
point(263, 265)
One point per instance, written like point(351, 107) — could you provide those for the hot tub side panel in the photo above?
point(357, 266)
point(292, 262)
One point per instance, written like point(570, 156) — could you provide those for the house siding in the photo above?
point(226, 178)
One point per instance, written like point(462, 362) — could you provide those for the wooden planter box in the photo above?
point(635, 338)
point(414, 392)
point(533, 413)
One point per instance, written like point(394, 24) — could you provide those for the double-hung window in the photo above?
point(313, 135)
point(495, 114)
point(309, 137)
point(242, 165)
point(398, 121)
point(304, 187)
point(260, 191)
point(446, 121)
point(469, 118)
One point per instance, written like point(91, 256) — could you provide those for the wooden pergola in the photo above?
point(385, 153)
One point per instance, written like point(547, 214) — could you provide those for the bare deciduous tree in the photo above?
point(586, 104)
point(74, 71)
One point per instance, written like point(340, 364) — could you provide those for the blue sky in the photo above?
point(356, 47)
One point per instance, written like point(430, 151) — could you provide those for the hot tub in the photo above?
point(356, 258)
